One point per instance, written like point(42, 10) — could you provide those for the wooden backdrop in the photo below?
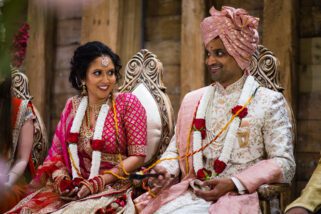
point(170, 29)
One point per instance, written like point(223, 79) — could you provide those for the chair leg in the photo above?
point(284, 200)
point(265, 207)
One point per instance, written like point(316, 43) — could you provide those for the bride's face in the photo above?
point(100, 79)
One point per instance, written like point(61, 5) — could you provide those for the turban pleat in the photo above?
point(237, 30)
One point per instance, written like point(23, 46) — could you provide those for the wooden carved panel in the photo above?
point(145, 68)
point(264, 68)
point(20, 85)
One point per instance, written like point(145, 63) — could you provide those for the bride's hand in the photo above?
point(66, 187)
point(70, 193)
point(83, 192)
point(91, 186)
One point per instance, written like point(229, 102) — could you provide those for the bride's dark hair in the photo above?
point(5, 116)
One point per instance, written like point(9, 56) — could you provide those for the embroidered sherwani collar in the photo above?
point(236, 86)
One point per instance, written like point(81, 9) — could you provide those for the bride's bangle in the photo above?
point(99, 183)
point(89, 186)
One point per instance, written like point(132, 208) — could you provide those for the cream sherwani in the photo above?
point(262, 150)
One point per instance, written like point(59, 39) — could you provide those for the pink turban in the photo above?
point(236, 29)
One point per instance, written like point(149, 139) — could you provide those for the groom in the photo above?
point(231, 137)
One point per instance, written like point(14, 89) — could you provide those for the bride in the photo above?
point(99, 140)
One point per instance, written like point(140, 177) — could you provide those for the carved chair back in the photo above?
point(264, 67)
point(144, 78)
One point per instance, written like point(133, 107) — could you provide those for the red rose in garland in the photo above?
point(242, 114)
point(97, 145)
point(199, 125)
point(219, 166)
point(204, 174)
point(73, 138)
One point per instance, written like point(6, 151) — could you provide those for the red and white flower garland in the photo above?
point(199, 128)
point(97, 141)
point(199, 125)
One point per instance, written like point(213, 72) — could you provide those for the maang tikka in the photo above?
point(104, 61)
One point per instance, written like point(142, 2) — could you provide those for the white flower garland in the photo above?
point(75, 128)
point(197, 136)
point(248, 89)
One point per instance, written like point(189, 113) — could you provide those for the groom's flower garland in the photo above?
point(220, 163)
point(199, 129)
point(97, 141)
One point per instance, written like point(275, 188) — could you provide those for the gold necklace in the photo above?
point(95, 108)
point(87, 130)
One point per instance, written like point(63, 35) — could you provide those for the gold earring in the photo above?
point(84, 90)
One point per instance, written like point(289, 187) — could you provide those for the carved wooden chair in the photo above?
point(264, 69)
point(40, 145)
point(144, 78)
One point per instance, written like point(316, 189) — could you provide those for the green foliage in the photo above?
point(13, 14)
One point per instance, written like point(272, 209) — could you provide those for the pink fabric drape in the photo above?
point(145, 204)
point(265, 171)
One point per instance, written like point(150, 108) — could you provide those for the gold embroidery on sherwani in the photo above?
point(243, 135)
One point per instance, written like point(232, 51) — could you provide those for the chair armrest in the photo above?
point(269, 191)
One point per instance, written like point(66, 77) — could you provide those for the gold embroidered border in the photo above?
point(137, 150)
point(16, 131)
point(112, 158)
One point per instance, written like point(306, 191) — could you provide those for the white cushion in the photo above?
point(154, 123)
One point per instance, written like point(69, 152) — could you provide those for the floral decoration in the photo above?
point(114, 207)
point(97, 144)
point(73, 137)
point(97, 141)
point(219, 166)
point(20, 45)
point(242, 114)
point(199, 125)
point(204, 174)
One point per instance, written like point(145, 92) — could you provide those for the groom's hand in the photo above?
point(162, 181)
point(218, 187)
